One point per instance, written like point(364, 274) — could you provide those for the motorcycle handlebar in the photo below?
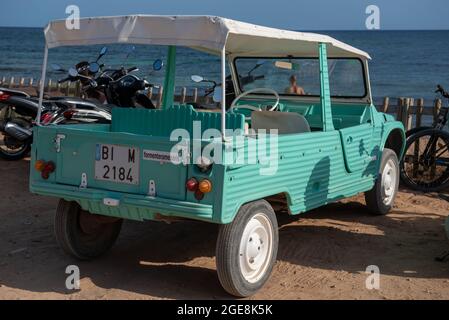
point(441, 90)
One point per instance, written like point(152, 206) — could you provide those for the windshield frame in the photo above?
point(273, 58)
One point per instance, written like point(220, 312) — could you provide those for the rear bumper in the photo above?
point(131, 206)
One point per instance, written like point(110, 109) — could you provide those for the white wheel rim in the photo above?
point(389, 179)
point(256, 248)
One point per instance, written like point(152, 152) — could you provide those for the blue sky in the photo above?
point(290, 14)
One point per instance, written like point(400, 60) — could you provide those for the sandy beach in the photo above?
point(323, 254)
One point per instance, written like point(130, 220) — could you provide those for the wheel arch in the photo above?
point(395, 140)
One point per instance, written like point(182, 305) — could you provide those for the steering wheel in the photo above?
point(252, 108)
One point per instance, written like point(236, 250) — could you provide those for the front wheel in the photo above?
point(380, 198)
point(425, 166)
point(83, 235)
point(247, 249)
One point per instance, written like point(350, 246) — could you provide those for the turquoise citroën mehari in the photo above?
point(302, 100)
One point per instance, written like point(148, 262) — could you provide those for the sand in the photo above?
point(323, 254)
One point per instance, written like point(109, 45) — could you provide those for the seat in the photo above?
point(284, 122)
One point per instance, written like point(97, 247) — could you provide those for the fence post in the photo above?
point(30, 83)
point(11, 82)
point(159, 96)
point(405, 109)
point(195, 95)
point(385, 104)
point(183, 95)
point(399, 109)
point(22, 82)
point(436, 109)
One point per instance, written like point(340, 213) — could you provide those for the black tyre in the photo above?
point(415, 130)
point(83, 235)
point(425, 166)
point(247, 249)
point(380, 198)
point(12, 149)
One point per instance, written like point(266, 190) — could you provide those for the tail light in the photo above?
point(199, 188)
point(45, 168)
point(46, 118)
point(68, 114)
point(192, 184)
point(4, 96)
point(205, 186)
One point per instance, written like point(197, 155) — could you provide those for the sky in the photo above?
point(288, 14)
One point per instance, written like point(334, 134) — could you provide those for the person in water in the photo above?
point(294, 88)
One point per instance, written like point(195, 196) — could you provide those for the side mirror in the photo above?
point(218, 94)
point(73, 72)
point(94, 67)
point(103, 51)
point(197, 79)
point(56, 67)
point(158, 64)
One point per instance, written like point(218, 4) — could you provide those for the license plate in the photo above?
point(117, 163)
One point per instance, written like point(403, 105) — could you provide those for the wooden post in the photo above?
point(11, 82)
point(405, 113)
point(195, 95)
point(67, 88)
point(22, 82)
point(78, 89)
point(50, 83)
point(183, 95)
point(30, 83)
point(385, 104)
point(159, 96)
point(399, 109)
point(419, 112)
point(436, 109)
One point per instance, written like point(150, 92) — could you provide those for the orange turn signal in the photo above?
point(39, 165)
point(205, 186)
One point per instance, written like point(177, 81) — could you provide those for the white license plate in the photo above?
point(117, 163)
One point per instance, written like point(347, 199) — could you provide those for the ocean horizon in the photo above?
point(405, 63)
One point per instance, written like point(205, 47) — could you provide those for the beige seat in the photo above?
point(284, 122)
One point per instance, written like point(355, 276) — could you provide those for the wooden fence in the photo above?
point(412, 112)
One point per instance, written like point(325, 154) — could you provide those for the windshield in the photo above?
point(301, 76)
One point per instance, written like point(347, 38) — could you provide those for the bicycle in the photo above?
point(425, 165)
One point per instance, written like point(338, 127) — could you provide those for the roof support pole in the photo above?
point(223, 93)
point(42, 86)
point(169, 83)
point(325, 94)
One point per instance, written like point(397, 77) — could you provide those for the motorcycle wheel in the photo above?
point(12, 149)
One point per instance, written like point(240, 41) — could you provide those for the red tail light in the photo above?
point(192, 184)
point(46, 118)
point(69, 114)
point(4, 96)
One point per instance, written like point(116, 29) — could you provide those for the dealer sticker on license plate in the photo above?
point(117, 163)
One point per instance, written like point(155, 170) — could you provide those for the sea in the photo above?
point(404, 63)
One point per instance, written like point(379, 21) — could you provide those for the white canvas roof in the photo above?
point(206, 33)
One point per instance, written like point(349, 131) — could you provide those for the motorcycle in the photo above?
point(18, 112)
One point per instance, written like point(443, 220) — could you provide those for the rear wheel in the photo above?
point(247, 249)
point(84, 235)
point(380, 198)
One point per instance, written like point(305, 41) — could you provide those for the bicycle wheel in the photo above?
point(425, 166)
